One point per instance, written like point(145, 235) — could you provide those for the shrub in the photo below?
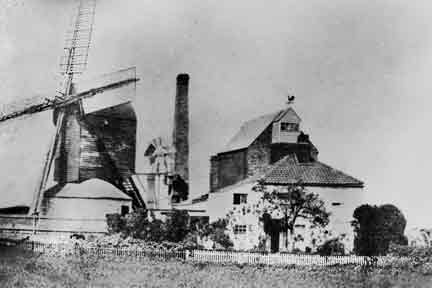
point(331, 247)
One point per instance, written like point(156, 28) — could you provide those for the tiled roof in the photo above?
point(289, 171)
point(251, 129)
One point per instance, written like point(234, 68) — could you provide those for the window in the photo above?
point(124, 210)
point(289, 127)
point(239, 198)
point(240, 229)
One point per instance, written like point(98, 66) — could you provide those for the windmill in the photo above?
point(95, 126)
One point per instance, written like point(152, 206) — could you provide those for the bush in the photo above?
point(140, 225)
point(191, 241)
point(376, 227)
point(176, 229)
point(177, 226)
point(331, 247)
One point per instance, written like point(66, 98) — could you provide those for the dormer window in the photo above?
point(289, 127)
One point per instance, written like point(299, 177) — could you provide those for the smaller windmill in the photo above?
point(95, 126)
point(168, 179)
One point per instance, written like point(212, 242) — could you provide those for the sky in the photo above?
point(359, 70)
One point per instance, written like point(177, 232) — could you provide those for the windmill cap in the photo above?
point(183, 79)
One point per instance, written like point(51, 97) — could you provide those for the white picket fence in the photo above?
point(274, 259)
point(64, 249)
point(206, 256)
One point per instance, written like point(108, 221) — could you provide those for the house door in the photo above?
point(274, 241)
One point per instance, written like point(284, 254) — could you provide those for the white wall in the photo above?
point(340, 218)
point(220, 203)
point(350, 198)
point(84, 208)
point(81, 214)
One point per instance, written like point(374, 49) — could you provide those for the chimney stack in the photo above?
point(181, 128)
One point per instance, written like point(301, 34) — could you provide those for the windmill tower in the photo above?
point(95, 126)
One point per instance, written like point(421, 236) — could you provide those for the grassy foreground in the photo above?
point(27, 269)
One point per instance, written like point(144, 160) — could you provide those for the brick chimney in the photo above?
point(181, 128)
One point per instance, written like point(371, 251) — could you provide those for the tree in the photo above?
point(295, 203)
point(375, 227)
point(281, 209)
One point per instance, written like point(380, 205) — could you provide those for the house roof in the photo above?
point(289, 170)
point(89, 189)
point(251, 129)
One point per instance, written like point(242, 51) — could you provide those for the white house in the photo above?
point(82, 206)
point(272, 148)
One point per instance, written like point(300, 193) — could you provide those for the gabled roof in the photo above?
point(89, 189)
point(251, 129)
point(289, 170)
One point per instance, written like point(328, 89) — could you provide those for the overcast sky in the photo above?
point(360, 71)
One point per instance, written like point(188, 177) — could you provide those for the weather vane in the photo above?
point(290, 99)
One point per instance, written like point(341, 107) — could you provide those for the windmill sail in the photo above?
point(78, 40)
point(23, 146)
point(124, 93)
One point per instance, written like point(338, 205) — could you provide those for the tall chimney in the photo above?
point(181, 128)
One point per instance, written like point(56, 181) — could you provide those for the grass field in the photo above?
point(27, 269)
